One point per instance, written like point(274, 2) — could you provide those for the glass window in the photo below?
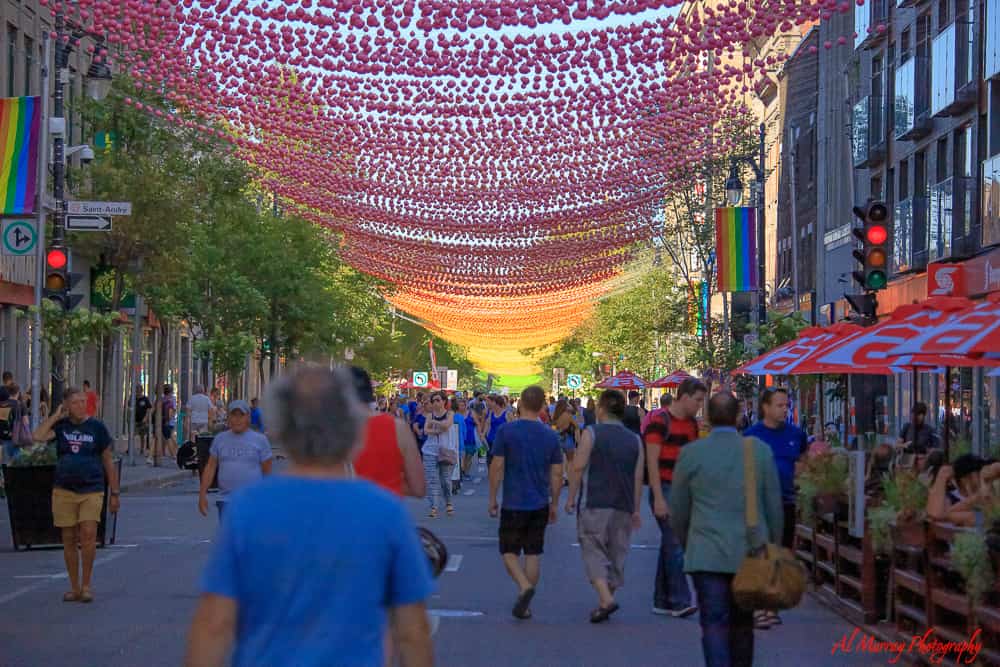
point(992, 49)
point(943, 70)
point(862, 22)
point(963, 151)
point(991, 201)
point(29, 63)
point(859, 132)
point(11, 59)
point(904, 103)
point(941, 213)
point(902, 230)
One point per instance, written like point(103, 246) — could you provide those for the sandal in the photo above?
point(86, 596)
point(451, 510)
point(433, 514)
point(602, 614)
point(71, 596)
point(520, 609)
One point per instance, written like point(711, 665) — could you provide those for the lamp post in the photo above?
point(734, 194)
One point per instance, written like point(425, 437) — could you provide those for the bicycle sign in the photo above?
point(19, 237)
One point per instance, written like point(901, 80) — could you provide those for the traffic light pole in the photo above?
point(43, 172)
point(761, 258)
point(59, 177)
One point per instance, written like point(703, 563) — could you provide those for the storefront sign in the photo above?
point(972, 278)
point(945, 280)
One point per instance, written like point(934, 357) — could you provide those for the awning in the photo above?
point(669, 381)
point(624, 380)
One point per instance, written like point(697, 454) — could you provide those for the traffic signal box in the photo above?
point(874, 253)
point(59, 282)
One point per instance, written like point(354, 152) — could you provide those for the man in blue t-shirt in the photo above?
point(788, 442)
point(527, 457)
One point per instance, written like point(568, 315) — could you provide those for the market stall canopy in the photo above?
point(670, 381)
point(625, 380)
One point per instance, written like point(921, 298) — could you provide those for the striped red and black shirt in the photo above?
point(682, 431)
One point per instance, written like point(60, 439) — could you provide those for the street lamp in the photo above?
point(98, 79)
point(734, 186)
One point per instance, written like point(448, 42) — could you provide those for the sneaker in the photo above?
point(661, 611)
point(683, 612)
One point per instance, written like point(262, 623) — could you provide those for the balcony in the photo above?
point(868, 132)
point(991, 201)
point(912, 115)
point(908, 235)
point(954, 75)
point(867, 19)
point(949, 219)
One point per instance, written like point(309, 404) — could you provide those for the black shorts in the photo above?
point(523, 530)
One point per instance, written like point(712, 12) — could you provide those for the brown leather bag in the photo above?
point(770, 577)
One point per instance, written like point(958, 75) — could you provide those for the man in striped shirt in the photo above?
point(672, 596)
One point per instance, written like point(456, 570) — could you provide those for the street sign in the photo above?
point(420, 379)
point(452, 384)
point(88, 223)
point(99, 207)
point(574, 381)
point(20, 237)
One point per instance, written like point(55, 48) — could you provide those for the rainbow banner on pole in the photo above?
point(20, 123)
point(736, 248)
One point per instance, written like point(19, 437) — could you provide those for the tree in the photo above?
point(68, 332)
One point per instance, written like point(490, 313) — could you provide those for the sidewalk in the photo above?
point(141, 476)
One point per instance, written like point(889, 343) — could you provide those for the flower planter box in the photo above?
point(29, 506)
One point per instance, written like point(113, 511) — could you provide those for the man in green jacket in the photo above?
point(708, 515)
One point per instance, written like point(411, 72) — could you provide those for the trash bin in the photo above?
point(203, 443)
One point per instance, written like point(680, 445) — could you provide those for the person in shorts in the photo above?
point(200, 413)
point(84, 450)
point(527, 458)
point(240, 455)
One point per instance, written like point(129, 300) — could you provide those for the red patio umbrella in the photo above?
point(670, 381)
point(972, 332)
point(784, 359)
point(624, 380)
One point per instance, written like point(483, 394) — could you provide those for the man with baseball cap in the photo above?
point(240, 455)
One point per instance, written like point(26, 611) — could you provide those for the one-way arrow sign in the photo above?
point(88, 223)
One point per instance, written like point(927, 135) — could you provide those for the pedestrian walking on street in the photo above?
point(240, 455)
point(605, 490)
point(11, 415)
point(708, 514)
point(527, 459)
point(567, 430)
point(200, 413)
point(390, 457)
point(440, 453)
point(84, 449)
point(256, 416)
point(634, 413)
point(671, 593)
point(309, 567)
point(168, 412)
point(497, 416)
point(143, 413)
point(788, 444)
point(219, 423)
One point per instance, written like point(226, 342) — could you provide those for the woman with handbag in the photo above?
point(440, 453)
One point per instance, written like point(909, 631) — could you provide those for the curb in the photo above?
point(178, 476)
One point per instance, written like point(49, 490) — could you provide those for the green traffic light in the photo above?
point(876, 280)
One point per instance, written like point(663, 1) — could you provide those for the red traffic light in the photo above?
point(56, 258)
point(877, 234)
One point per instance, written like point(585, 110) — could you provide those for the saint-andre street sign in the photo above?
point(102, 208)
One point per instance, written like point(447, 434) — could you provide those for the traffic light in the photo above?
point(866, 307)
point(59, 282)
point(874, 253)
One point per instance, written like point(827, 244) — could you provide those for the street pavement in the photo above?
point(146, 589)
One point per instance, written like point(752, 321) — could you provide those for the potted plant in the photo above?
point(821, 483)
point(900, 517)
point(971, 559)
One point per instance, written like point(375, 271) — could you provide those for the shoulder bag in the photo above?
point(770, 577)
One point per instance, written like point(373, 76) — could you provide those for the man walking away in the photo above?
point(311, 567)
point(708, 513)
point(84, 450)
point(607, 475)
point(788, 443)
point(527, 458)
point(240, 455)
point(143, 412)
point(200, 413)
point(634, 414)
point(672, 596)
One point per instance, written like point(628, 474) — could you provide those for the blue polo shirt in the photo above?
point(787, 443)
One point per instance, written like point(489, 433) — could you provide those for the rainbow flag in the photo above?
point(736, 248)
point(20, 123)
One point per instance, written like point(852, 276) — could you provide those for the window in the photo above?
point(11, 59)
point(29, 63)
point(964, 154)
point(943, 70)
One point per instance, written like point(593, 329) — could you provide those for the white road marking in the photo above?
point(469, 492)
point(453, 613)
point(454, 562)
point(634, 546)
point(122, 546)
point(48, 578)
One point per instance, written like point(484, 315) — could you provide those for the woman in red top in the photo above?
point(390, 457)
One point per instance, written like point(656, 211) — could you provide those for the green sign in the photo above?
point(102, 290)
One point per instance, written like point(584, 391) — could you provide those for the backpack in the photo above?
point(8, 417)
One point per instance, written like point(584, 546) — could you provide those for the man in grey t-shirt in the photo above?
point(240, 455)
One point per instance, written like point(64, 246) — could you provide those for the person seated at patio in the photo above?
point(960, 490)
point(917, 436)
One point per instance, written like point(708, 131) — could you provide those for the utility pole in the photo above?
point(62, 49)
point(43, 172)
point(795, 225)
